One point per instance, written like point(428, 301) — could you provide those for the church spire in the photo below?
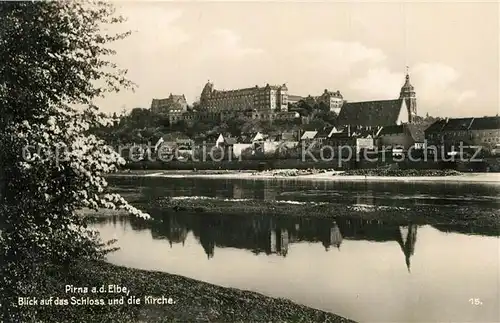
point(407, 86)
point(408, 94)
point(407, 240)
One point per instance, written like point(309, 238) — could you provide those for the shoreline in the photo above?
point(192, 300)
point(396, 215)
point(472, 178)
point(486, 217)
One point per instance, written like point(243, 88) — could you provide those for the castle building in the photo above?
point(175, 107)
point(174, 103)
point(375, 114)
point(334, 100)
point(265, 103)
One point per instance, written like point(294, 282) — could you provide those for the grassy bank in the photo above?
point(400, 172)
point(194, 301)
point(417, 214)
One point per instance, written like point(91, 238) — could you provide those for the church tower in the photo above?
point(408, 94)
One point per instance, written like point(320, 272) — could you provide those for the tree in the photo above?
point(315, 124)
point(323, 106)
point(49, 165)
point(425, 121)
point(305, 107)
point(140, 118)
point(328, 117)
point(235, 126)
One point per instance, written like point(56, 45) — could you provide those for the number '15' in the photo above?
point(475, 301)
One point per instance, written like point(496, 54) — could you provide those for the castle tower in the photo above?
point(408, 94)
point(283, 98)
point(206, 93)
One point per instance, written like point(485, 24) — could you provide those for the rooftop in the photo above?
point(486, 123)
point(460, 124)
point(309, 135)
point(370, 113)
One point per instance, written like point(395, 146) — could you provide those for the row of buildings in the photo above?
point(272, 102)
point(269, 102)
point(446, 135)
point(364, 125)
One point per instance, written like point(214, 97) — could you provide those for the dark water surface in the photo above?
point(369, 271)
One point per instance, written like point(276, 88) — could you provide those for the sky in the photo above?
point(359, 48)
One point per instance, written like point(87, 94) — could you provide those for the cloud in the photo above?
point(438, 88)
point(379, 82)
point(366, 75)
point(466, 95)
point(435, 75)
point(153, 28)
point(225, 44)
point(147, 53)
point(338, 56)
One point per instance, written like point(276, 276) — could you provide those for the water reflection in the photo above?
point(271, 235)
point(370, 271)
point(407, 241)
point(389, 194)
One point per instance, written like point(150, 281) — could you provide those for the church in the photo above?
point(376, 114)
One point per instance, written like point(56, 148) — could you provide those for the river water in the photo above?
point(368, 271)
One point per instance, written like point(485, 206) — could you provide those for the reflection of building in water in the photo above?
point(237, 191)
point(407, 241)
point(333, 236)
point(207, 241)
point(270, 192)
point(178, 233)
point(284, 241)
point(137, 224)
point(278, 242)
point(272, 235)
point(171, 230)
point(403, 230)
point(263, 190)
point(272, 241)
point(365, 198)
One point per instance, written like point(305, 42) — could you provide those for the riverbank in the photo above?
point(390, 172)
point(476, 178)
point(192, 300)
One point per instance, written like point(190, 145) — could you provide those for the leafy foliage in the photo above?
point(426, 121)
point(143, 125)
point(54, 59)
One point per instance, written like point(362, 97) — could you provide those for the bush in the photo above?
point(49, 165)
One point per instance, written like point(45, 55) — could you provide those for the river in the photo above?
point(368, 271)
